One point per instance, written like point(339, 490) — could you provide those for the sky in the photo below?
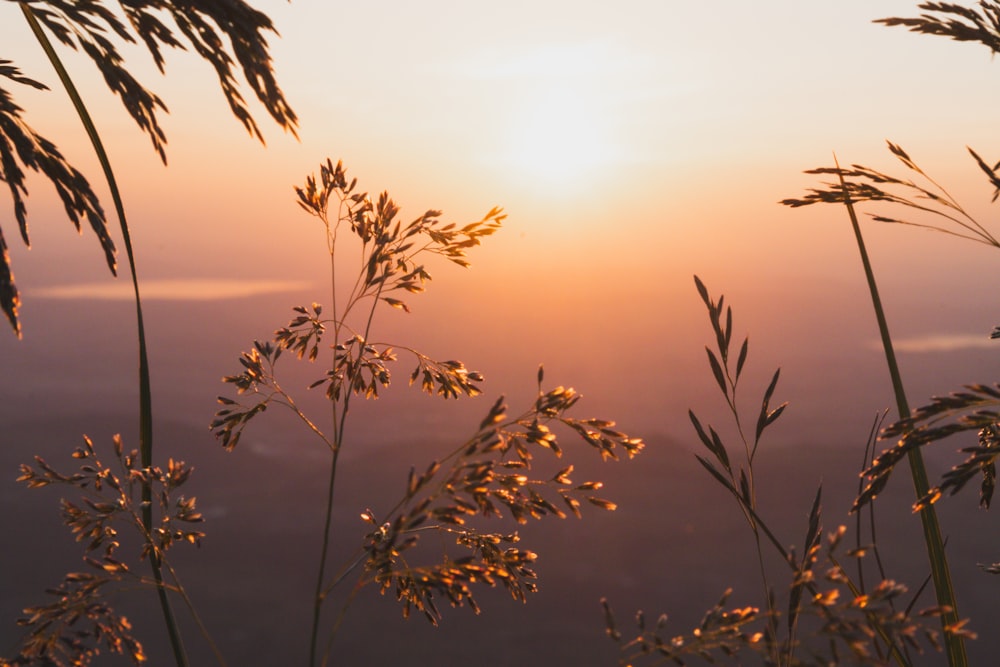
point(632, 145)
point(670, 119)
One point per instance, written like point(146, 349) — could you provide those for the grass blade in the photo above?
point(145, 393)
point(941, 574)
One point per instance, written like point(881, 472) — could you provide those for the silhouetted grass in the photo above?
point(880, 633)
point(491, 474)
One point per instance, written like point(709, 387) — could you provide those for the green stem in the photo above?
point(941, 574)
point(145, 393)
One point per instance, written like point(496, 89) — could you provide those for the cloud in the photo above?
point(942, 343)
point(169, 290)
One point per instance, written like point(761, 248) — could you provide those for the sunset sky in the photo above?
point(631, 145)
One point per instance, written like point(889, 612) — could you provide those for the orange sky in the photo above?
point(657, 114)
point(632, 145)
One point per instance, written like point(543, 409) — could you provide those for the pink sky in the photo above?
point(632, 146)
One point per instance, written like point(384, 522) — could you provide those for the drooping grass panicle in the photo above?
point(959, 22)
point(976, 409)
point(490, 476)
point(861, 184)
point(79, 621)
point(852, 627)
point(22, 148)
point(227, 35)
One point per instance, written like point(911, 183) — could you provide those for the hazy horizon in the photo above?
point(631, 146)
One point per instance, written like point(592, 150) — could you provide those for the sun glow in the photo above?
point(559, 140)
point(560, 132)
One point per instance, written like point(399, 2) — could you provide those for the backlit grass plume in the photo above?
point(79, 621)
point(92, 27)
point(491, 475)
point(921, 195)
point(961, 23)
point(975, 409)
point(229, 35)
point(824, 614)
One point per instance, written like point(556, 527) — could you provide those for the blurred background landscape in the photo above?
point(632, 146)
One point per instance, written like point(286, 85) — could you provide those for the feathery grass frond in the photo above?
point(22, 148)
point(852, 627)
point(862, 184)
point(977, 409)
point(229, 35)
point(490, 475)
point(218, 32)
point(73, 627)
point(961, 23)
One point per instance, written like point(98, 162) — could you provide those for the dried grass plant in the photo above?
point(132, 511)
point(227, 35)
point(857, 624)
point(491, 474)
point(827, 613)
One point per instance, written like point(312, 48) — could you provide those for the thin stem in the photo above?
point(810, 585)
point(346, 570)
point(145, 393)
point(954, 644)
point(338, 442)
point(338, 439)
point(320, 594)
point(339, 620)
point(180, 590)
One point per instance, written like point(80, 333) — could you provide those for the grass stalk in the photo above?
point(145, 393)
point(940, 573)
point(320, 594)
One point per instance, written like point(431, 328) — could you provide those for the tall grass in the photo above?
point(145, 389)
point(131, 509)
point(823, 611)
point(85, 25)
point(882, 634)
point(493, 473)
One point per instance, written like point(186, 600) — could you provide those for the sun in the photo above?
point(560, 125)
point(559, 139)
